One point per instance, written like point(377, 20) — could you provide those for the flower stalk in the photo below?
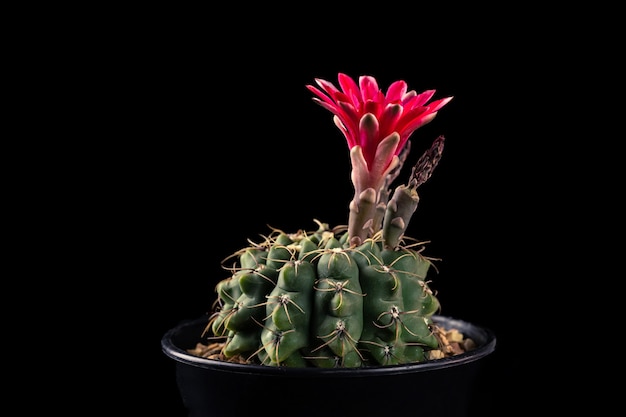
point(377, 126)
point(405, 198)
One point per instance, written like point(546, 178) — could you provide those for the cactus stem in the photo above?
point(283, 301)
point(295, 262)
point(389, 268)
point(333, 303)
point(339, 288)
point(396, 319)
point(422, 243)
point(225, 322)
point(394, 312)
point(274, 342)
point(263, 247)
point(318, 254)
point(387, 349)
point(337, 252)
point(256, 271)
point(342, 334)
point(292, 249)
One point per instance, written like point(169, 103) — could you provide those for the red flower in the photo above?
point(376, 125)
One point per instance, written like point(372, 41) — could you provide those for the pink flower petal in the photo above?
point(396, 91)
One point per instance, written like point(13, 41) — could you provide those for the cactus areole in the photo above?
point(346, 296)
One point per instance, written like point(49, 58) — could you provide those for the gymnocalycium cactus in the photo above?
point(346, 296)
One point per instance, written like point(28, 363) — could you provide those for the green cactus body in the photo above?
point(367, 254)
point(251, 258)
point(248, 314)
point(254, 285)
point(249, 310)
point(288, 311)
point(383, 296)
point(279, 252)
point(383, 337)
point(228, 292)
point(307, 248)
point(338, 322)
point(312, 300)
point(410, 269)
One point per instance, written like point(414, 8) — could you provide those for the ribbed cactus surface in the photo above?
point(312, 299)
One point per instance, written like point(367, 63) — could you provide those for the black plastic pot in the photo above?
point(213, 388)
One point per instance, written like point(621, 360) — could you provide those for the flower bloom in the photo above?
point(376, 125)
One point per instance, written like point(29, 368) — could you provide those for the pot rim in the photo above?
point(483, 337)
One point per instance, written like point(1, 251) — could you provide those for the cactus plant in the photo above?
point(350, 295)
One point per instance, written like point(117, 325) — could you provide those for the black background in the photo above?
point(226, 141)
point(157, 139)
